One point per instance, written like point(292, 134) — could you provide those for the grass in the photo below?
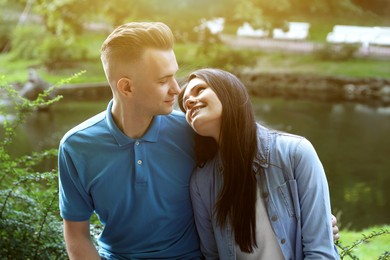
point(295, 63)
point(372, 249)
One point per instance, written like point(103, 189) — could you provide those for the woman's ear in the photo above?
point(125, 86)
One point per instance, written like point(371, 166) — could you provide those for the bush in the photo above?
point(336, 52)
point(231, 59)
point(30, 225)
point(25, 41)
point(5, 39)
point(57, 52)
point(33, 42)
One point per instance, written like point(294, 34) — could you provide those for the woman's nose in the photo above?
point(190, 102)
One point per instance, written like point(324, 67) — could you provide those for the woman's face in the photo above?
point(203, 108)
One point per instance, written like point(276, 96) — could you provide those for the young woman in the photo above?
point(256, 193)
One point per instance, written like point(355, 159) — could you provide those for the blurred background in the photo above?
point(320, 69)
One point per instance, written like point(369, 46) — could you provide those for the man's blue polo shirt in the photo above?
point(139, 188)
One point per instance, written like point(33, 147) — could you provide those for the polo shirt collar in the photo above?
point(150, 136)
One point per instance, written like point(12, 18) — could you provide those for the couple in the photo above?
point(255, 193)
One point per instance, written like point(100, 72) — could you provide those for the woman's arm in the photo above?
point(203, 221)
point(317, 233)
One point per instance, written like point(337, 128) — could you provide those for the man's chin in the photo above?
point(166, 112)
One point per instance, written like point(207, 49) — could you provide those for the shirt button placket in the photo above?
point(139, 162)
point(141, 178)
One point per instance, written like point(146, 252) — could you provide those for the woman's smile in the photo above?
point(203, 108)
point(194, 111)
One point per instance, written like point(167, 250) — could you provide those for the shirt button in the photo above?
point(283, 241)
point(139, 162)
point(137, 143)
point(265, 195)
point(274, 218)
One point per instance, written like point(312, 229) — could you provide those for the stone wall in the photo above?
point(85, 91)
point(373, 91)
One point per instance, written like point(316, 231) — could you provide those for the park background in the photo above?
point(59, 41)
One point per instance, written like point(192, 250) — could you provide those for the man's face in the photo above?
point(154, 84)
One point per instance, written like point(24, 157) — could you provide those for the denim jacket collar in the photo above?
point(263, 145)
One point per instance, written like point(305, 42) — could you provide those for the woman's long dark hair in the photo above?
point(237, 146)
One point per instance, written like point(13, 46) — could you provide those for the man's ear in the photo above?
point(125, 86)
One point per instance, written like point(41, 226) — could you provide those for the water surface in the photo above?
point(352, 141)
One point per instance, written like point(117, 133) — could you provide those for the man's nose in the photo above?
point(175, 89)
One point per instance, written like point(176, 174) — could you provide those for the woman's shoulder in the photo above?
point(280, 138)
point(206, 174)
point(292, 141)
point(206, 182)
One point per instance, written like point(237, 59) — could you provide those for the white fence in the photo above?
point(363, 35)
point(296, 31)
point(246, 30)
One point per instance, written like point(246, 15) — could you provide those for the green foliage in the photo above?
point(231, 59)
point(30, 226)
point(25, 41)
point(33, 42)
point(57, 52)
point(336, 52)
point(5, 32)
point(351, 251)
point(64, 17)
point(218, 56)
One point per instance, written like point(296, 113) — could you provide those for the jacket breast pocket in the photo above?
point(288, 193)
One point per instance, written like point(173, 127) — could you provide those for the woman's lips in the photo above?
point(194, 111)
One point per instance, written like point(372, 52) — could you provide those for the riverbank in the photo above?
point(371, 91)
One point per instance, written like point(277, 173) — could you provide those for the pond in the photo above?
point(352, 141)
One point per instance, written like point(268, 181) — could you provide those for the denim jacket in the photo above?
point(294, 187)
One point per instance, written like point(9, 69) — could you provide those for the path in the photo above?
point(273, 45)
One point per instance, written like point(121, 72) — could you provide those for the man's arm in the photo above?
point(78, 241)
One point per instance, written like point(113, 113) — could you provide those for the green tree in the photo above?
point(380, 7)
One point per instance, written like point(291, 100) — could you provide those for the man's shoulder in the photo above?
point(176, 119)
point(84, 127)
point(178, 115)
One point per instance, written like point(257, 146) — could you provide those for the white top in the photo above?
point(267, 245)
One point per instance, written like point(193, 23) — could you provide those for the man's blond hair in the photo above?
point(127, 43)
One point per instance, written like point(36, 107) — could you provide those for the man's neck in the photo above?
point(132, 124)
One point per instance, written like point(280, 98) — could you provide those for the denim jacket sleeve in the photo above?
point(202, 203)
point(314, 202)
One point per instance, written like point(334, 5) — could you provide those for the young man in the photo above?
point(131, 164)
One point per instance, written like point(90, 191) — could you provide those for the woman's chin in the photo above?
point(200, 131)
